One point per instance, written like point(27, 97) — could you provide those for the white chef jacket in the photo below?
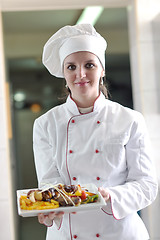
point(108, 147)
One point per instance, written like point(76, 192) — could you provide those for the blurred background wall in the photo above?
point(27, 90)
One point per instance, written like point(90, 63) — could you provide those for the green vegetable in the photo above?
point(91, 199)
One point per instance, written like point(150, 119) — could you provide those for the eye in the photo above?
point(71, 67)
point(89, 65)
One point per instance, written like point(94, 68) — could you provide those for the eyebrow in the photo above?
point(87, 61)
point(69, 63)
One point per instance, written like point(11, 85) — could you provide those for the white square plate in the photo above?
point(91, 188)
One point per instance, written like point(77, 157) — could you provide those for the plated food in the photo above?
point(57, 196)
point(60, 197)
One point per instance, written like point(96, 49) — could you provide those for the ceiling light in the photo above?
point(90, 15)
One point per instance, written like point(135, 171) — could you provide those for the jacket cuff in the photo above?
point(58, 222)
point(108, 209)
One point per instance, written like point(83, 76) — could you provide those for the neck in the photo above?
point(84, 102)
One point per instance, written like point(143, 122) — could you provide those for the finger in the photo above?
point(48, 222)
point(107, 196)
point(41, 218)
point(100, 189)
point(51, 215)
point(59, 214)
point(104, 193)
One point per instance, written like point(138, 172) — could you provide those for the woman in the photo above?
point(92, 139)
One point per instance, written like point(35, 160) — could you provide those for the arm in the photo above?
point(46, 169)
point(140, 187)
point(44, 155)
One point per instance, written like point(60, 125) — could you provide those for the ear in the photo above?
point(103, 73)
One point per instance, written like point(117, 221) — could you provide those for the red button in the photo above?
point(97, 151)
point(74, 178)
point(98, 122)
point(73, 121)
point(97, 235)
point(98, 178)
point(70, 151)
point(75, 236)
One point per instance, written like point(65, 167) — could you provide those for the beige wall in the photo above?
point(6, 219)
point(144, 25)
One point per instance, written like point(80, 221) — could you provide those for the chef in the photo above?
point(90, 139)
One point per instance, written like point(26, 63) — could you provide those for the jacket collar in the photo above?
point(98, 104)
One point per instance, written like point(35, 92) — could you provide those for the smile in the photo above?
point(82, 83)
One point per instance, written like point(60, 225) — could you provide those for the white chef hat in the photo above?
point(71, 39)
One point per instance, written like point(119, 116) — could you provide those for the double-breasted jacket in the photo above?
point(108, 147)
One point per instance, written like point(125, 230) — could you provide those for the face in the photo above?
point(82, 71)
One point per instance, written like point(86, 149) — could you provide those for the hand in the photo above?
point(47, 220)
point(104, 193)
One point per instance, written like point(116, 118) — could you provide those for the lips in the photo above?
point(82, 83)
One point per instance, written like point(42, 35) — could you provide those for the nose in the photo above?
point(81, 73)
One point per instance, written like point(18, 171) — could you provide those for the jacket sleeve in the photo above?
point(44, 155)
point(140, 188)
